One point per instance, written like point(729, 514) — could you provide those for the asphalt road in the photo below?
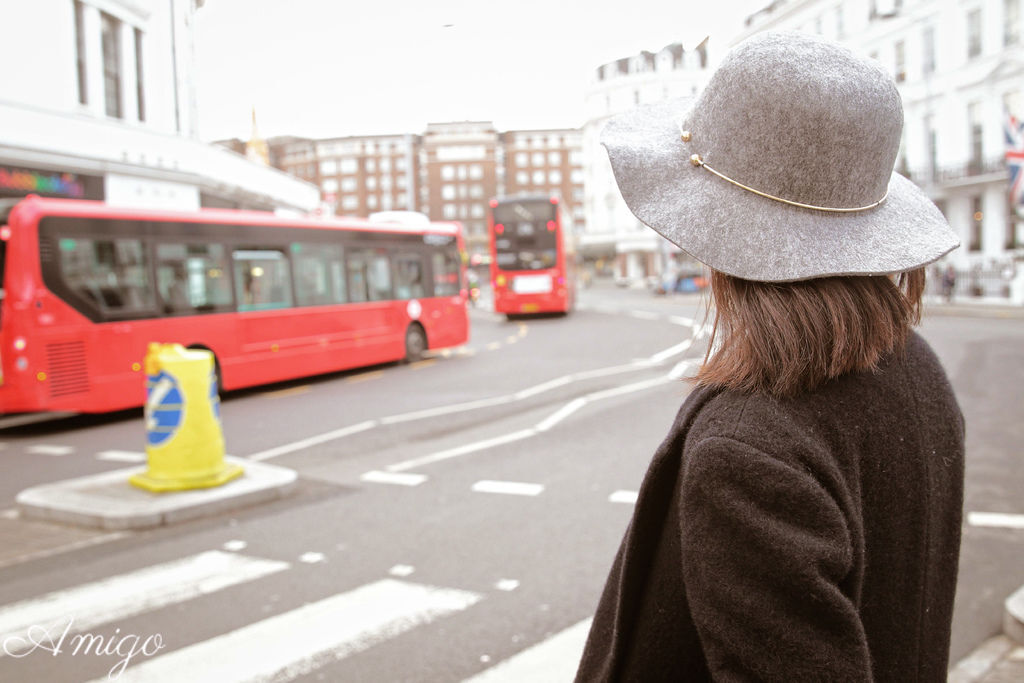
point(477, 498)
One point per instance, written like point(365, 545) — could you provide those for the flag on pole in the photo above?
point(1014, 132)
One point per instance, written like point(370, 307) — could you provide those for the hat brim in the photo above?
point(739, 233)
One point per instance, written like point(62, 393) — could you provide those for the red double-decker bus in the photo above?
point(532, 259)
point(87, 286)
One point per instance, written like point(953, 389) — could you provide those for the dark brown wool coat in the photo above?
point(810, 539)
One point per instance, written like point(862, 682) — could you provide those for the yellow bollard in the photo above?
point(184, 441)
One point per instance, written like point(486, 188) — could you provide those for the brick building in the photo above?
point(449, 172)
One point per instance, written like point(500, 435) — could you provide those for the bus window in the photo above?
point(319, 275)
point(192, 277)
point(369, 275)
point(261, 279)
point(446, 272)
point(409, 277)
point(111, 274)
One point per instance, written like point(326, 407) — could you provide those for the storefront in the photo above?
point(19, 181)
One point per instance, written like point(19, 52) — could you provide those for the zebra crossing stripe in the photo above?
point(127, 595)
point(295, 643)
point(554, 659)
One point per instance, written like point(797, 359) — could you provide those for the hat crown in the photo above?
point(800, 118)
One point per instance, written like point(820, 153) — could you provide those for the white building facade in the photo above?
point(612, 231)
point(959, 65)
point(98, 102)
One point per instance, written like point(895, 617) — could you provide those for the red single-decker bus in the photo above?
point(87, 286)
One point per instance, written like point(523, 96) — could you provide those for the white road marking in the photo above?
point(645, 315)
point(44, 449)
point(121, 456)
point(543, 387)
point(507, 585)
point(445, 410)
point(560, 414)
point(680, 320)
point(554, 659)
point(10, 513)
point(529, 392)
point(461, 450)
point(628, 497)
point(293, 644)
point(401, 570)
point(312, 558)
point(235, 545)
point(514, 488)
point(125, 595)
point(672, 351)
point(314, 440)
point(402, 479)
point(995, 519)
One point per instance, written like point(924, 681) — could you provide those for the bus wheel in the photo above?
point(415, 343)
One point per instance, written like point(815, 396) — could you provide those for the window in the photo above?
point(476, 191)
point(329, 167)
point(446, 272)
point(112, 274)
point(900, 59)
point(371, 201)
point(350, 203)
point(319, 274)
point(973, 33)
point(554, 177)
point(538, 177)
point(538, 158)
point(111, 38)
point(369, 275)
point(477, 211)
point(555, 158)
point(450, 211)
point(522, 177)
point(447, 192)
point(385, 165)
point(329, 185)
point(977, 217)
point(140, 98)
point(1011, 22)
point(83, 84)
point(409, 281)
point(261, 278)
point(371, 166)
point(476, 172)
point(348, 165)
point(348, 184)
point(192, 277)
point(928, 43)
point(577, 176)
point(447, 172)
point(371, 182)
point(932, 146)
point(975, 136)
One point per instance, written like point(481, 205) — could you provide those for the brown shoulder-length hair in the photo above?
point(784, 338)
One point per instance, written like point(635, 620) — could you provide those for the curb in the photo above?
point(1013, 616)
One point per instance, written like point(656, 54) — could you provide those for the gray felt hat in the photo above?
point(782, 168)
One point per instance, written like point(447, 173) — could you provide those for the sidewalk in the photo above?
point(999, 659)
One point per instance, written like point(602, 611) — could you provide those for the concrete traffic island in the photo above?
point(1013, 616)
point(109, 501)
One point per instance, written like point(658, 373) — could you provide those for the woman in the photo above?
point(801, 521)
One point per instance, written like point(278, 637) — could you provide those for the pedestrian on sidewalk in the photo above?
point(801, 520)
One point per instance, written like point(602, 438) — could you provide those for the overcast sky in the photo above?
point(326, 68)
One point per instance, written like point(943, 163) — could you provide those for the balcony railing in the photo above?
point(955, 175)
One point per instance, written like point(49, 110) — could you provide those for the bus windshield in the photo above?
point(523, 238)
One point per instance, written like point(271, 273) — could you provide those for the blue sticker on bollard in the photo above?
point(165, 408)
point(214, 396)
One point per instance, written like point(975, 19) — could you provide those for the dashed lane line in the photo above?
point(995, 519)
point(512, 488)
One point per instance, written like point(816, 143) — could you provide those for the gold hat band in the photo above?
point(697, 160)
